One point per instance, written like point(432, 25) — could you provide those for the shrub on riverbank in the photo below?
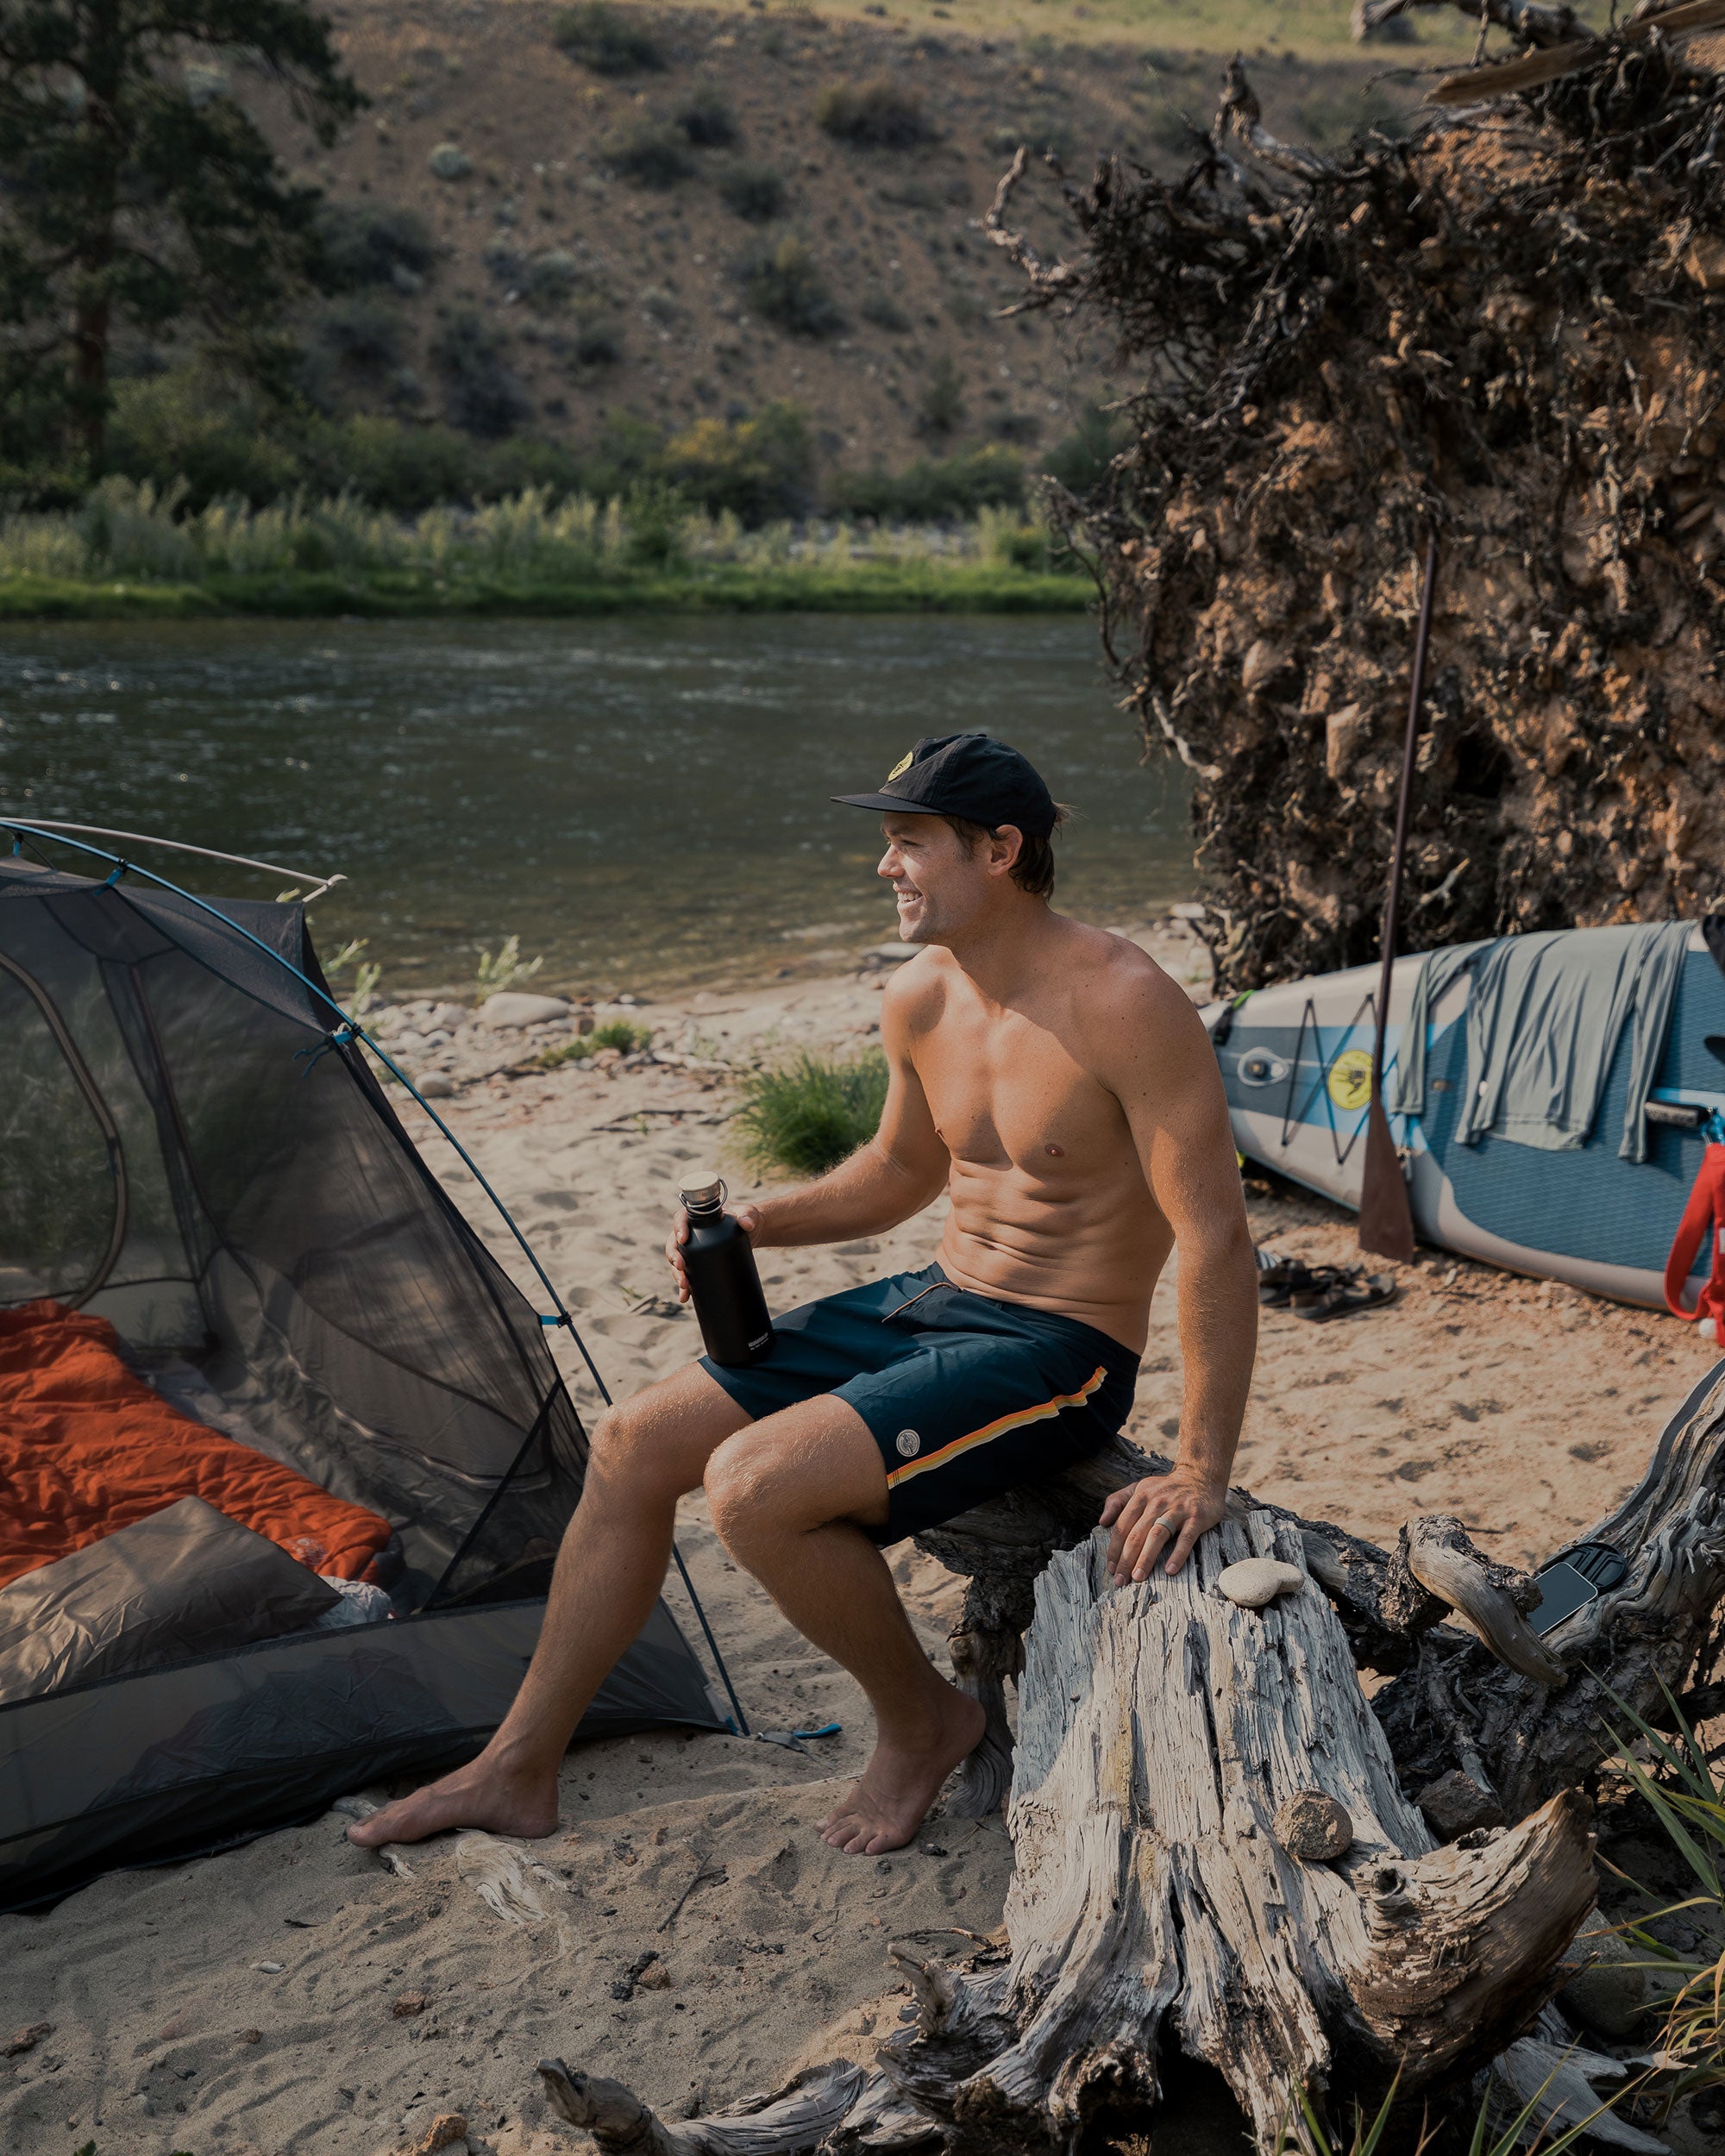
point(812, 1114)
point(141, 549)
point(207, 441)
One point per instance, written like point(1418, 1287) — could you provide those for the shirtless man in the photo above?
point(1059, 1085)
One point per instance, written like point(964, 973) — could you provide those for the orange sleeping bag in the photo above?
point(86, 1448)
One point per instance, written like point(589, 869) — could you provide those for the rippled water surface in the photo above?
point(644, 801)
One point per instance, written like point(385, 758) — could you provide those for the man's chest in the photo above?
point(1011, 1092)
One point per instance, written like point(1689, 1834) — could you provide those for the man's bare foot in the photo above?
point(884, 1809)
point(483, 1793)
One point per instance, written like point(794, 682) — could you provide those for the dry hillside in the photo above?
point(562, 293)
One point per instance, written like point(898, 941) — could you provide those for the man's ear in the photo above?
point(1004, 848)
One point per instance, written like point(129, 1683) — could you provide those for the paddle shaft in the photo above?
point(1410, 751)
point(1386, 1218)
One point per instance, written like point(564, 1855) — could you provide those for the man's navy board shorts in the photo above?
point(966, 1396)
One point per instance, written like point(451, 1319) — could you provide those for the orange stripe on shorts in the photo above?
point(1016, 1421)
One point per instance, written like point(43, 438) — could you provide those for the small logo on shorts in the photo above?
point(909, 1443)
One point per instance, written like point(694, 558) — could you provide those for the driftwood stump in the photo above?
point(1174, 1753)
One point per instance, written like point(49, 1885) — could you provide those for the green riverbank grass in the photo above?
point(812, 1114)
point(967, 591)
point(127, 554)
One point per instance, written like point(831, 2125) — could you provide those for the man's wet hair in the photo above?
point(1033, 870)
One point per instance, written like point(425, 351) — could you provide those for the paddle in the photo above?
point(1386, 1219)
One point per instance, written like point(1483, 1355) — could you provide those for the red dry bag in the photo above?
point(1704, 1215)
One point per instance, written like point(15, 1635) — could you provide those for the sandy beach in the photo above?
point(686, 1931)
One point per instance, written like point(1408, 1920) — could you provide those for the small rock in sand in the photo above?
point(438, 1085)
point(251, 2036)
point(409, 2004)
point(444, 2131)
point(656, 1977)
point(510, 1008)
point(1314, 1826)
point(26, 2039)
point(268, 1968)
point(1255, 1581)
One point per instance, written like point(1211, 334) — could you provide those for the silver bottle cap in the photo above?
point(703, 1194)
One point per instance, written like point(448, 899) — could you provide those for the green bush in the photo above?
point(549, 279)
point(649, 153)
point(504, 468)
point(187, 425)
point(812, 1114)
point(884, 311)
point(480, 394)
point(933, 490)
point(361, 243)
point(598, 344)
point(614, 1034)
point(940, 401)
point(399, 468)
point(604, 39)
point(753, 191)
point(786, 287)
point(363, 330)
point(1078, 460)
point(757, 469)
point(877, 114)
point(706, 117)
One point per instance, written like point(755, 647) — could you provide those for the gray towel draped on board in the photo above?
point(1544, 1016)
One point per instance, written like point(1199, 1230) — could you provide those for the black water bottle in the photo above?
point(724, 1284)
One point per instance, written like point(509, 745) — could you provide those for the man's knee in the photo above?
point(623, 1455)
point(739, 1485)
point(786, 1476)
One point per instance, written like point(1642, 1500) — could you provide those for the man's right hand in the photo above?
point(747, 1217)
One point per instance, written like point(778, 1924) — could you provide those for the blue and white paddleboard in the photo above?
point(1296, 1060)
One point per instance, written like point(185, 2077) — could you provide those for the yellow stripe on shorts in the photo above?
point(1013, 1421)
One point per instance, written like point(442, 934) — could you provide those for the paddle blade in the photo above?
point(1386, 1219)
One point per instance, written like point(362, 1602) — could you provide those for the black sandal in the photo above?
point(1345, 1298)
point(1281, 1279)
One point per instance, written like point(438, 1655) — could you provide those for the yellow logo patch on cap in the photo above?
point(901, 766)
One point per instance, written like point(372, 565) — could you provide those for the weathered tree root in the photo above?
point(1162, 1728)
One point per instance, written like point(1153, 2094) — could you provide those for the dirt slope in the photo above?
point(654, 273)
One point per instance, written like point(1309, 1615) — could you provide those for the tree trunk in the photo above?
point(102, 76)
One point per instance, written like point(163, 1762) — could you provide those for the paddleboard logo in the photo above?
point(900, 767)
point(1349, 1080)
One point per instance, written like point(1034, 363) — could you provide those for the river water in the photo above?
point(642, 801)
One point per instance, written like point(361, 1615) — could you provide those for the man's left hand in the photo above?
point(1163, 1512)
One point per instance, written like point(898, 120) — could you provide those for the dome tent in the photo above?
point(188, 1151)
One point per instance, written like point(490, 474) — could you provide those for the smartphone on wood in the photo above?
point(1580, 1576)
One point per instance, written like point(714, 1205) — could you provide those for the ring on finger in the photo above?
point(1166, 1524)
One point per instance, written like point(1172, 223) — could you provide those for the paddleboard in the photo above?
point(1297, 1061)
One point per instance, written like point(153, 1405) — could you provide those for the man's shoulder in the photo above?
point(916, 990)
point(1108, 970)
point(1125, 1009)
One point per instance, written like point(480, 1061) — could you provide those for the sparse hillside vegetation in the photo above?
point(878, 115)
point(610, 41)
point(535, 245)
point(605, 159)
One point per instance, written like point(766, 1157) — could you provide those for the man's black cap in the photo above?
point(971, 776)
